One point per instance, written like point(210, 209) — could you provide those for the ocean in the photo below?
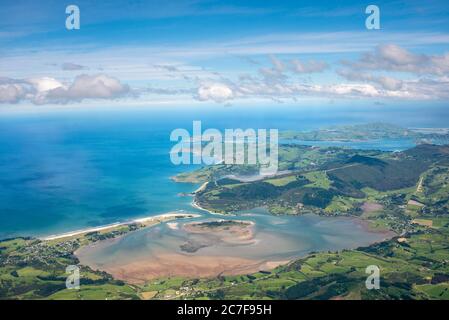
point(68, 170)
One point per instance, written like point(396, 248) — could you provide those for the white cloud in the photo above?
point(386, 82)
point(12, 93)
point(278, 81)
point(171, 73)
point(372, 87)
point(44, 84)
point(84, 86)
point(49, 90)
point(389, 83)
point(217, 92)
point(391, 57)
point(280, 69)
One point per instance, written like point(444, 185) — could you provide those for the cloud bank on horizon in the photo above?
point(178, 52)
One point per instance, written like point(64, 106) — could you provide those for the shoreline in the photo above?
point(365, 224)
point(195, 205)
point(203, 265)
point(201, 188)
point(145, 221)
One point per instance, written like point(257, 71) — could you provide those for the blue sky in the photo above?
point(149, 53)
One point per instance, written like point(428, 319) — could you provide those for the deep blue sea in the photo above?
point(67, 170)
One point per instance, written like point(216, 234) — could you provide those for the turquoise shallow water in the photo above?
point(57, 177)
point(69, 170)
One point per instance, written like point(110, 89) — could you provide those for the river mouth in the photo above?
point(208, 247)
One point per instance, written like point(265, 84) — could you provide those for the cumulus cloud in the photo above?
point(49, 90)
point(44, 84)
point(218, 92)
point(275, 83)
point(391, 57)
point(85, 86)
point(12, 92)
point(371, 76)
point(367, 86)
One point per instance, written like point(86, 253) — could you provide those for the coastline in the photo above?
point(201, 188)
point(191, 264)
point(146, 221)
point(364, 223)
point(195, 205)
point(141, 271)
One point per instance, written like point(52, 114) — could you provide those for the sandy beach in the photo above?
point(195, 205)
point(146, 221)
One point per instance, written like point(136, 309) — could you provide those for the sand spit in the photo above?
point(145, 221)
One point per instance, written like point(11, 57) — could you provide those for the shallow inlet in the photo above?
point(173, 249)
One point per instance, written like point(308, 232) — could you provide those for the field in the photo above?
point(340, 182)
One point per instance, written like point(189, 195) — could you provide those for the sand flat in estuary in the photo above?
point(207, 247)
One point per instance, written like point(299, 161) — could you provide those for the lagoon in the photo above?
point(160, 251)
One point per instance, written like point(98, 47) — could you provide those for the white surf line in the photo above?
point(82, 231)
point(196, 206)
point(118, 224)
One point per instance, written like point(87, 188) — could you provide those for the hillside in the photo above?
point(336, 177)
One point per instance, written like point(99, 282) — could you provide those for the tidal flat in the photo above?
point(207, 246)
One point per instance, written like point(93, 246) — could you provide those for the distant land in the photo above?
point(370, 131)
